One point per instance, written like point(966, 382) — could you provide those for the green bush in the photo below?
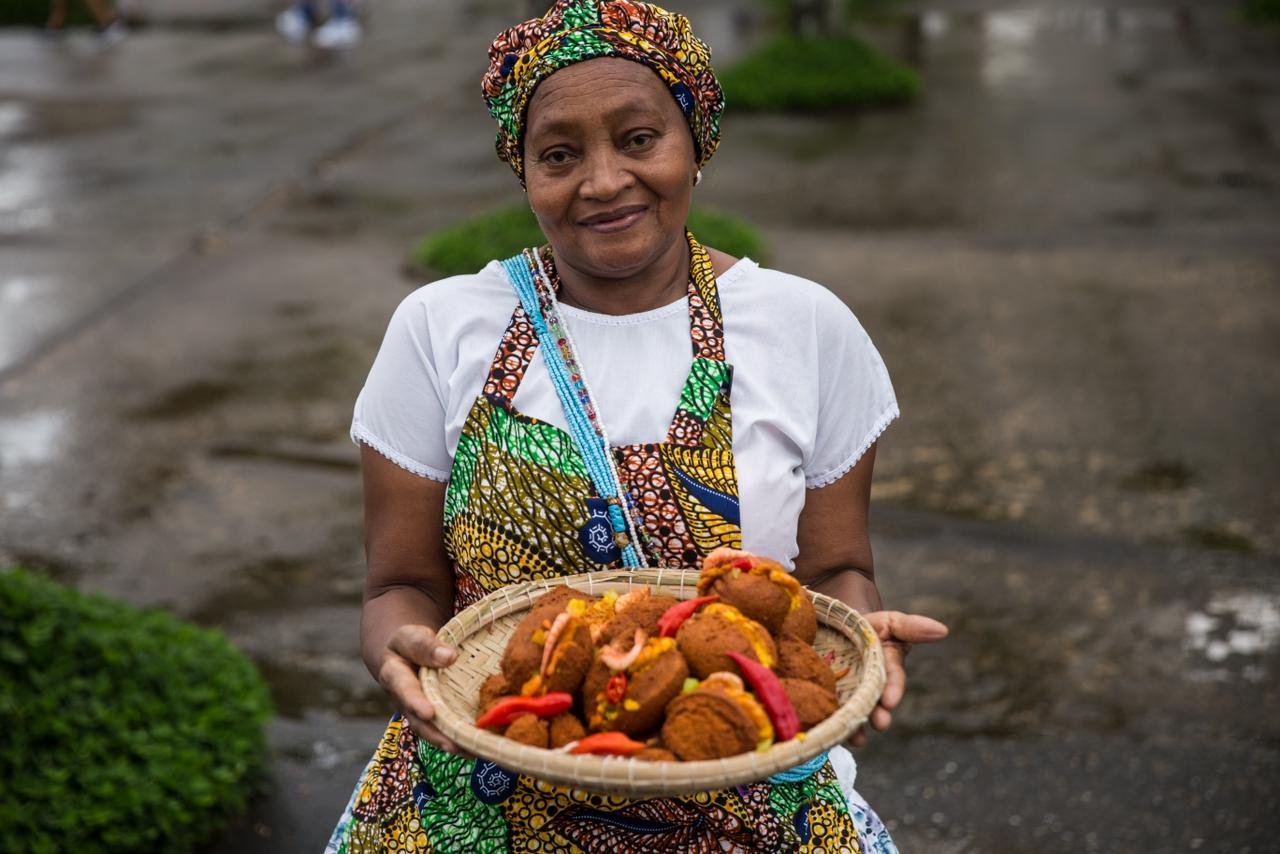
point(33, 13)
point(790, 73)
point(1263, 11)
point(123, 730)
point(472, 243)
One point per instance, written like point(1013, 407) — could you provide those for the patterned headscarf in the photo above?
point(577, 30)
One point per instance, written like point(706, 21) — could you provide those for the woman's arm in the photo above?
point(409, 587)
point(835, 547)
point(835, 558)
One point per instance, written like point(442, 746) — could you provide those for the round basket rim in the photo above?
point(624, 776)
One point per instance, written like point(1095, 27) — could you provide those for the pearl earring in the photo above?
point(697, 179)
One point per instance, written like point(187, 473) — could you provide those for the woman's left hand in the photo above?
point(897, 632)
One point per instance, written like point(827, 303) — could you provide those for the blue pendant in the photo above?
point(490, 783)
point(596, 535)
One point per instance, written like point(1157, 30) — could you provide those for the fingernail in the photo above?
point(442, 655)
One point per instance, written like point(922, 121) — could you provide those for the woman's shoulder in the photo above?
point(788, 298)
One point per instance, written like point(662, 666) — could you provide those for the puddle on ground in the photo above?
point(1230, 636)
point(32, 439)
point(297, 689)
point(27, 176)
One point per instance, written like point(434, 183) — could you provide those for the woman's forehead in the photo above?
point(598, 90)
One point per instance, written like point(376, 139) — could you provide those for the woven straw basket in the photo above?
point(480, 635)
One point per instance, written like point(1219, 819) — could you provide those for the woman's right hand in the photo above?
point(409, 648)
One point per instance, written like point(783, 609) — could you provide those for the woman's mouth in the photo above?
point(615, 220)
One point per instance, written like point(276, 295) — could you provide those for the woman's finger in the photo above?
point(430, 734)
point(895, 677)
point(859, 738)
point(880, 718)
point(421, 646)
point(911, 628)
point(399, 678)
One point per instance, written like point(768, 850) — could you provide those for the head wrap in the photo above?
point(577, 30)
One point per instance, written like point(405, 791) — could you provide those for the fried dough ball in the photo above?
point(492, 690)
point(801, 622)
point(566, 728)
point(798, 660)
point(529, 729)
point(813, 705)
point(708, 725)
point(756, 596)
point(642, 615)
point(656, 754)
point(707, 638)
point(647, 692)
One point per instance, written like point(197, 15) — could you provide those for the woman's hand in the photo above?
point(897, 632)
point(409, 648)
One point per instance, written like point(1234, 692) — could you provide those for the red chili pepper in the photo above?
point(508, 709)
point(616, 689)
point(608, 744)
point(673, 618)
point(772, 695)
point(743, 563)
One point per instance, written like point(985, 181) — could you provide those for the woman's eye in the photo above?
point(640, 140)
point(557, 157)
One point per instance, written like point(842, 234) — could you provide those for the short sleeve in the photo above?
point(400, 412)
point(855, 398)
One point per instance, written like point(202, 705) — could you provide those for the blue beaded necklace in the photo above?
point(610, 530)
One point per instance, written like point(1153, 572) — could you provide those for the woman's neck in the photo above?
point(661, 283)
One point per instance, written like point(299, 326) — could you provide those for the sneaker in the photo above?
point(112, 34)
point(293, 25)
point(338, 33)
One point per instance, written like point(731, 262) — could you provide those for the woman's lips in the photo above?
point(613, 222)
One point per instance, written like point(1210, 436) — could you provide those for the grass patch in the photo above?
point(124, 730)
point(1262, 11)
point(472, 243)
point(33, 13)
point(815, 74)
point(1220, 537)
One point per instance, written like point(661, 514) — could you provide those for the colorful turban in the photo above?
point(577, 30)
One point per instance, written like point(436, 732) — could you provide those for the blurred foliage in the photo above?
point(792, 73)
point(124, 730)
point(1262, 11)
point(469, 245)
point(33, 13)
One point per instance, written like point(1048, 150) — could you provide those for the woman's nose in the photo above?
point(607, 176)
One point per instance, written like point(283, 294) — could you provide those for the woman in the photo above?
point(482, 468)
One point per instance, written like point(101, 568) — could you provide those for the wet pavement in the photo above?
point(1068, 253)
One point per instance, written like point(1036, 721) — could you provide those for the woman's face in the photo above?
point(609, 166)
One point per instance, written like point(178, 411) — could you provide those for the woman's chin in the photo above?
point(624, 253)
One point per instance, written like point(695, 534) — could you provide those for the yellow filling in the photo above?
point(775, 573)
point(653, 648)
point(756, 634)
point(754, 710)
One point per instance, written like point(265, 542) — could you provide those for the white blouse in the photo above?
point(810, 392)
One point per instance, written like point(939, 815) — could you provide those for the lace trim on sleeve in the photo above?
point(362, 436)
point(886, 418)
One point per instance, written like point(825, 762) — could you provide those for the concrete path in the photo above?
point(1067, 253)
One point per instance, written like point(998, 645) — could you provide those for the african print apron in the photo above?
point(513, 510)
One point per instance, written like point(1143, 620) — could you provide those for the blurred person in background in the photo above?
point(111, 28)
point(607, 110)
point(300, 20)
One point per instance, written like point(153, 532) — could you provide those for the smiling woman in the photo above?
point(610, 172)
point(489, 460)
